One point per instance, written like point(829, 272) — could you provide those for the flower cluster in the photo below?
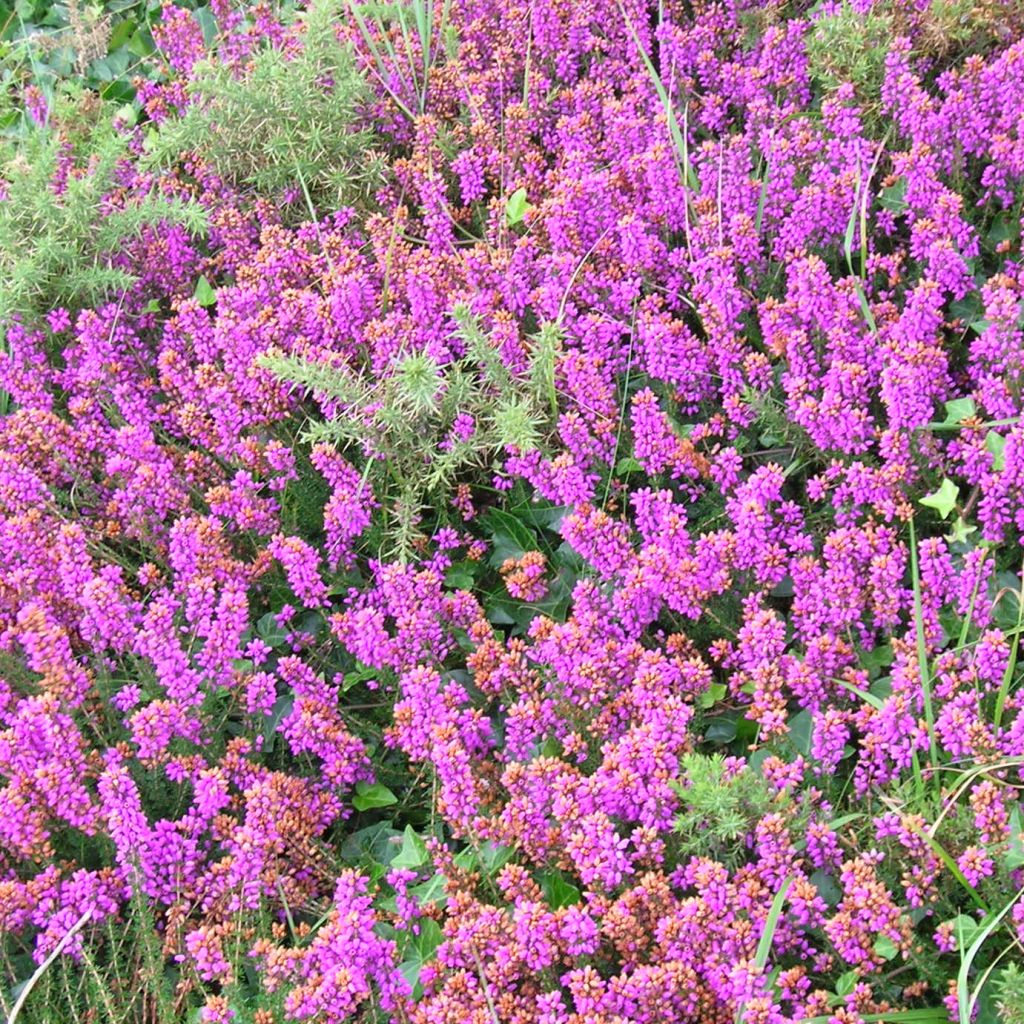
point(702, 701)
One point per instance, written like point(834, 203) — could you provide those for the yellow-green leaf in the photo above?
point(944, 499)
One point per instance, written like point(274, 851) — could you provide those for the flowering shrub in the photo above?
point(554, 558)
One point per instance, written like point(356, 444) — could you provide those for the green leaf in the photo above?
point(959, 409)
point(628, 465)
point(270, 632)
point(965, 929)
point(486, 857)
point(109, 69)
point(968, 308)
point(121, 92)
point(462, 575)
point(944, 499)
point(961, 531)
point(493, 857)
point(886, 948)
point(420, 950)
point(360, 674)
point(204, 293)
point(414, 851)
point(282, 707)
point(431, 891)
point(721, 730)
point(541, 516)
point(121, 34)
point(801, 726)
point(465, 859)
point(1003, 229)
point(891, 198)
point(881, 689)
point(429, 938)
point(877, 658)
point(558, 891)
point(501, 610)
point(510, 537)
point(995, 445)
point(1004, 591)
point(1015, 851)
point(846, 983)
point(549, 748)
point(375, 844)
point(372, 794)
point(712, 695)
point(516, 207)
point(141, 43)
point(829, 890)
point(208, 23)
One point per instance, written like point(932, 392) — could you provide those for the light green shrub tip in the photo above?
point(402, 421)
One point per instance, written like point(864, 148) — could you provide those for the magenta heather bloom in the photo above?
point(762, 316)
point(300, 563)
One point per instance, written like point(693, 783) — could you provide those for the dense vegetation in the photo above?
point(512, 513)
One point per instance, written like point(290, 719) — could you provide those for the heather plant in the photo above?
point(578, 582)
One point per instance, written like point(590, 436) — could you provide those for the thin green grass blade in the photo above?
point(922, 651)
point(931, 1015)
point(764, 944)
point(966, 1000)
point(371, 44)
point(1011, 665)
